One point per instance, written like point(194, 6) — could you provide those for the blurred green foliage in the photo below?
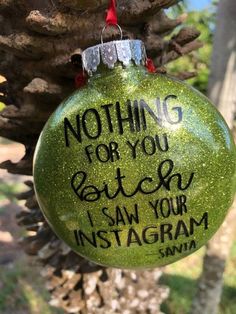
point(181, 277)
point(9, 191)
point(197, 61)
point(22, 290)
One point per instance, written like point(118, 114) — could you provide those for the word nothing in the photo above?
point(92, 123)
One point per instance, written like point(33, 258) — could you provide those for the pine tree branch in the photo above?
point(6, 5)
point(186, 75)
point(62, 23)
point(43, 87)
point(161, 24)
point(25, 46)
point(3, 87)
point(83, 4)
point(173, 55)
point(136, 11)
point(186, 35)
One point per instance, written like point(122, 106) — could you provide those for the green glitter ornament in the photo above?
point(134, 170)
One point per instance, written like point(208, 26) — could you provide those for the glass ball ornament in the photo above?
point(134, 170)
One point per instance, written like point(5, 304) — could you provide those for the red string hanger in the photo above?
point(150, 66)
point(111, 19)
point(81, 79)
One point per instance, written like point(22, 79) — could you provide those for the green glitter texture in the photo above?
point(199, 144)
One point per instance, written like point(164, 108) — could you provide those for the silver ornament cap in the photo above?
point(111, 53)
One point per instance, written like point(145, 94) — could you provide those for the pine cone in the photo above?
point(79, 286)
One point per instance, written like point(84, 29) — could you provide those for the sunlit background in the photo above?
point(198, 4)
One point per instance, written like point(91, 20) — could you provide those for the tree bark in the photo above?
point(223, 70)
point(223, 93)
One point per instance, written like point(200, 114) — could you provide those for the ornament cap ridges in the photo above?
point(110, 53)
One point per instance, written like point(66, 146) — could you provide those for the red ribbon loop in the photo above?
point(81, 79)
point(111, 18)
point(150, 66)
